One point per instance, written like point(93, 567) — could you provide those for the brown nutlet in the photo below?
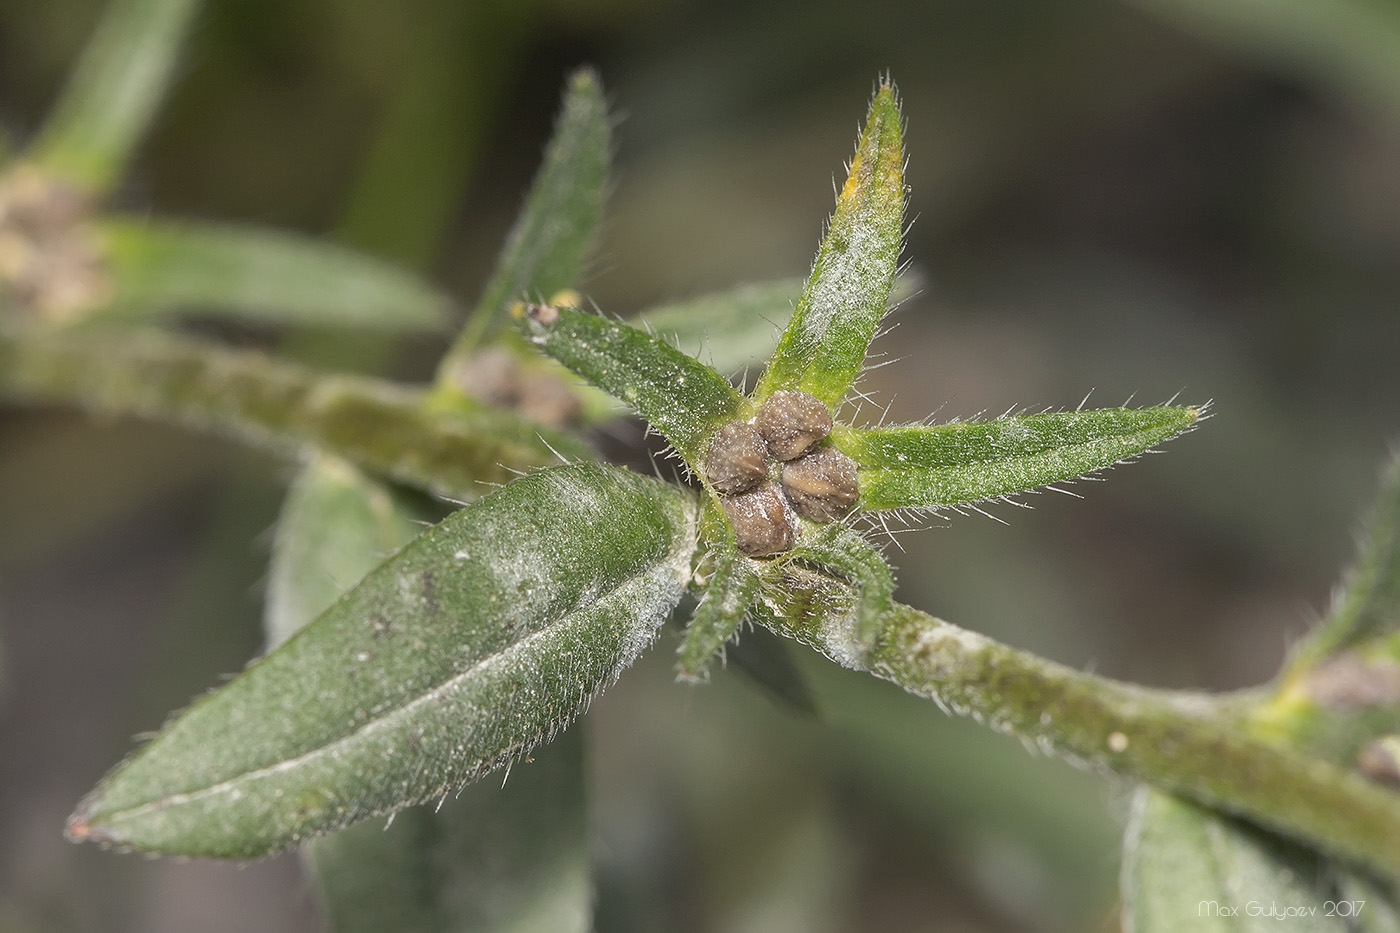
point(760, 521)
point(736, 461)
point(791, 422)
point(821, 486)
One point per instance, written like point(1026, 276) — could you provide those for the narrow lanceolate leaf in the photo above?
point(922, 467)
point(684, 399)
point(491, 858)
point(262, 275)
point(1187, 868)
point(546, 249)
point(729, 330)
point(825, 343)
point(115, 89)
point(732, 587)
point(1369, 605)
point(483, 637)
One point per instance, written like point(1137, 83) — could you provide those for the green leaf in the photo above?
point(737, 328)
point(824, 346)
point(1348, 48)
point(546, 249)
point(337, 525)
point(262, 275)
point(114, 91)
point(732, 586)
point(1374, 904)
point(682, 398)
point(1186, 868)
point(923, 467)
point(491, 858)
point(1369, 604)
point(480, 639)
point(729, 330)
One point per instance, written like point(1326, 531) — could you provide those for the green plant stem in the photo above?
point(1187, 743)
point(382, 426)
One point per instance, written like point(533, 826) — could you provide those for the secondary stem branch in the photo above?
point(1183, 742)
point(380, 425)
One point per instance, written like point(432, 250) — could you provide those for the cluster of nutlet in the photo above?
point(767, 469)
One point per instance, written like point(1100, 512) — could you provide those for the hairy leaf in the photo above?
point(922, 467)
point(262, 275)
point(124, 72)
point(732, 587)
point(684, 399)
point(491, 858)
point(480, 639)
point(1186, 868)
point(546, 249)
point(824, 346)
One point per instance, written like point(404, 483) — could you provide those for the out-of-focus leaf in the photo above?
point(729, 330)
point(262, 275)
point(115, 89)
point(824, 346)
point(923, 467)
point(1369, 604)
point(732, 586)
point(480, 639)
point(738, 328)
point(1186, 868)
point(1374, 907)
point(682, 398)
point(490, 858)
point(1349, 47)
point(336, 526)
point(546, 248)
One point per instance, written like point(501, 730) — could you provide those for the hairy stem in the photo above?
point(1190, 744)
point(382, 426)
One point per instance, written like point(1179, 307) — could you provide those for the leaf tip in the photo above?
point(81, 828)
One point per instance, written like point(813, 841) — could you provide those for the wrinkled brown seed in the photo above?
point(791, 422)
point(821, 486)
point(737, 460)
point(760, 521)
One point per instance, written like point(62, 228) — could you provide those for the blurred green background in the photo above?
point(1135, 198)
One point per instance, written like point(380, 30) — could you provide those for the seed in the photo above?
point(736, 462)
point(760, 521)
point(821, 486)
point(791, 422)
